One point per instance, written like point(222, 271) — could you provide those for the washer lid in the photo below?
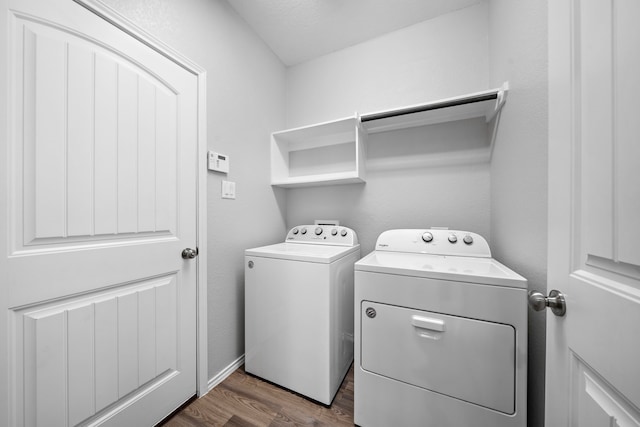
point(486, 271)
point(303, 252)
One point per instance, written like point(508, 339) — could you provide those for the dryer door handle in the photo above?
point(428, 323)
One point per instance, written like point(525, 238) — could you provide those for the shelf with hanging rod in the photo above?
point(487, 103)
point(334, 152)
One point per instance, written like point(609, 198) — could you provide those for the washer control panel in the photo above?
point(434, 241)
point(322, 235)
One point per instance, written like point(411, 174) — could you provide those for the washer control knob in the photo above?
point(468, 239)
point(304, 231)
point(318, 231)
point(427, 237)
point(343, 233)
point(453, 238)
point(295, 231)
point(334, 232)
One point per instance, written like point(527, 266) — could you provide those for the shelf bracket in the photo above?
point(501, 99)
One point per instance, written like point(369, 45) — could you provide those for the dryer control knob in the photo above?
point(295, 231)
point(343, 233)
point(304, 231)
point(467, 239)
point(453, 238)
point(334, 232)
point(427, 237)
point(318, 231)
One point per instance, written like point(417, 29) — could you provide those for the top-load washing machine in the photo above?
point(299, 310)
point(441, 333)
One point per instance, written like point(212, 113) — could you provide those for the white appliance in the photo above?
point(299, 310)
point(441, 333)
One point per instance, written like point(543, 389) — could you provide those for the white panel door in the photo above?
point(593, 352)
point(99, 200)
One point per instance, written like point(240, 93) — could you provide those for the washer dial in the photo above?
point(427, 237)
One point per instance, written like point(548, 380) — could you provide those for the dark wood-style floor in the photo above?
point(247, 401)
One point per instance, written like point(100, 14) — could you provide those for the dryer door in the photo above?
point(467, 359)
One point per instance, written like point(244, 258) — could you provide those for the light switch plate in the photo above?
point(228, 190)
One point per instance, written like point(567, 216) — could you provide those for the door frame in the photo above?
point(561, 170)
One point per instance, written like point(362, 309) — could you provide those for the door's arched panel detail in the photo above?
point(97, 140)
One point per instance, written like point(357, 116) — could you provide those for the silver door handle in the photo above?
point(189, 253)
point(555, 301)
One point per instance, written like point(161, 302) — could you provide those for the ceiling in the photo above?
point(300, 30)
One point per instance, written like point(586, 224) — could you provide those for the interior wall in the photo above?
point(416, 178)
point(245, 103)
point(518, 52)
point(435, 59)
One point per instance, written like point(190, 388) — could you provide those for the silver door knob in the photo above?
point(190, 253)
point(555, 301)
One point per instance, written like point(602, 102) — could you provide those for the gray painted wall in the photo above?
point(420, 177)
point(518, 48)
point(245, 103)
point(435, 59)
point(416, 178)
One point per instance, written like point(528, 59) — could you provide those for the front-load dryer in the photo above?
point(441, 333)
point(299, 310)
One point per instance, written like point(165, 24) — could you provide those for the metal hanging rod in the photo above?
point(428, 107)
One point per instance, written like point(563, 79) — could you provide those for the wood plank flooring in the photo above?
point(242, 400)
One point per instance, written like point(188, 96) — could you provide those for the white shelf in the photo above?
point(319, 179)
point(322, 154)
point(481, 104)
point(334, 152)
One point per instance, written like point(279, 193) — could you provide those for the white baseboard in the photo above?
point(222, 375)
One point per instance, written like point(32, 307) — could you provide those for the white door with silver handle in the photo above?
point(98, 309)
point(592, 373)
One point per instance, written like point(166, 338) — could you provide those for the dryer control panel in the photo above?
point(434, 241)
point(322, 235)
